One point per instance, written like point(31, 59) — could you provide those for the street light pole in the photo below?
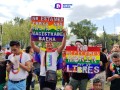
point(104, 38)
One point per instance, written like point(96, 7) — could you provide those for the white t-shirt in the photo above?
point(22, 74)
point(51, 62)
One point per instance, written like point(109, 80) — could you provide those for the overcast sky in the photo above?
point(100, 12)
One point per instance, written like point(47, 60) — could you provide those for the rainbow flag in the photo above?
point(46, 28)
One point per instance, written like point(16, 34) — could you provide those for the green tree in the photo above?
point(109, 40)
point(119, 39)
point(84, 30)
point(17, 30)
point(18, 20)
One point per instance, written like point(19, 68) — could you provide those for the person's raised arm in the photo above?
point(60, 48)
point(32, 43)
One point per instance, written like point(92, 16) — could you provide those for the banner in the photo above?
point(83, 59)
point(45, 28)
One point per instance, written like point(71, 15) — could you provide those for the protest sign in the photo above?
point(83, 59)
point(45, 28)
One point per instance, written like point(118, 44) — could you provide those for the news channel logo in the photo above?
point(60, 6)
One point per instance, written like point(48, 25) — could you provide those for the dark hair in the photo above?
point(71, 44)
point(103, 49)
point(8, 48)
point(27, 50)
point(96, 80)
point(14, 43)
point(115, 55)
point(78, 42)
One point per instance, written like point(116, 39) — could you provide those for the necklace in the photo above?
point(18, 69)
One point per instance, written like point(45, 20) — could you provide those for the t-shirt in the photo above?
point(22, 74)
point(51, 61)
point(103, 58)
point(115, 84)
point(2, 71)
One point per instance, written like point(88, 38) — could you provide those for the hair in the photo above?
point(71, 44)
point(27, 50)
point(116, 44)
point(46, 88)
point(78, 42)
point(70, 86)
point(14, 43)
point(103, 49)
point(115, 55)
point(96, 80)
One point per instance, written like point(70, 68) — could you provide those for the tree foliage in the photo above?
point(16, 30)
point(84, 30)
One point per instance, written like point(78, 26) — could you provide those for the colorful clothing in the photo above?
point(111, 70)
point(51, 61)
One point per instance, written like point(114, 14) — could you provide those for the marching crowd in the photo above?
point(19, 69)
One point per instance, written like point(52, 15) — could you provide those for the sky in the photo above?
point(101, 12)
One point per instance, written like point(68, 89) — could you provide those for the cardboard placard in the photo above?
point(46, 28)
point(82, 60)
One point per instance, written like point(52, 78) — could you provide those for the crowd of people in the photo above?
point(19, 69)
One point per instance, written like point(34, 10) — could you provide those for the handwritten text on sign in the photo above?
point(82, 60)
point(45, 28)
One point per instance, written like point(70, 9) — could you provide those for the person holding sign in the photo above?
point(18, 67)
point(113, 72)
point(49, 62)
point(79, 80)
